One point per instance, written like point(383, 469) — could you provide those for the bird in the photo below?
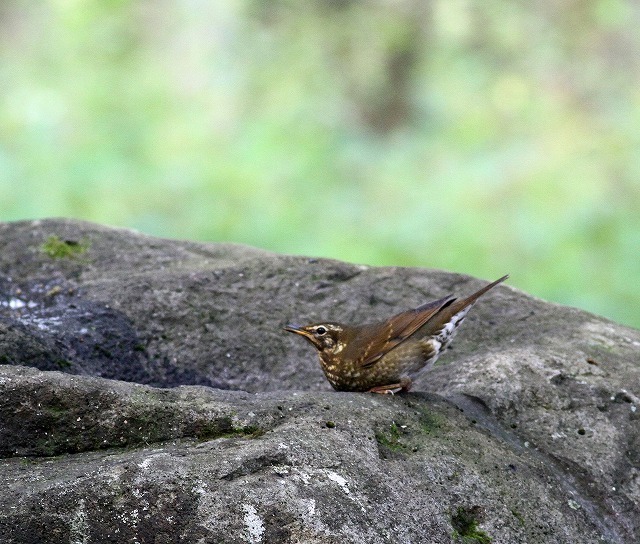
point(386, 357)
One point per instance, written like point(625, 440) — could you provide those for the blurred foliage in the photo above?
point(481, 137)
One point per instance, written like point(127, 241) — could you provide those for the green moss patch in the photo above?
point(430, 423)
point(465, 526)
point(57, 248)
point(223, 428)
point(390, 438)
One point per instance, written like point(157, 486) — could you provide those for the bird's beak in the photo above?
point(302, 331)
point(298, 329)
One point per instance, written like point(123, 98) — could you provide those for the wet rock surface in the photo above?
point(526, 431)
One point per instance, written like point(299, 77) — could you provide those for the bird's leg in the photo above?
point(392, 388)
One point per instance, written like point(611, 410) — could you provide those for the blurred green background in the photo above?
point(479, 137)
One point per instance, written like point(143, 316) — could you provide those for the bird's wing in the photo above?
point(379, 340)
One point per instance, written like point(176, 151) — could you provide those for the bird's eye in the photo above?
point(321, 331)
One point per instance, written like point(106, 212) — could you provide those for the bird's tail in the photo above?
point(460, 304)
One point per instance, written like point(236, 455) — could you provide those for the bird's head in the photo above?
point(326, 337)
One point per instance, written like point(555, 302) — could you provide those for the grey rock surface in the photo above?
point(526, 430)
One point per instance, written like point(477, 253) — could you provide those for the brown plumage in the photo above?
point(386, 357)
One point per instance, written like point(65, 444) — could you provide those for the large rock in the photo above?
point(526, 431)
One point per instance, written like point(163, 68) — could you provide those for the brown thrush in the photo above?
point(386, 357)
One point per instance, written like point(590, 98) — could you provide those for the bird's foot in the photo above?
point(392, 388)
